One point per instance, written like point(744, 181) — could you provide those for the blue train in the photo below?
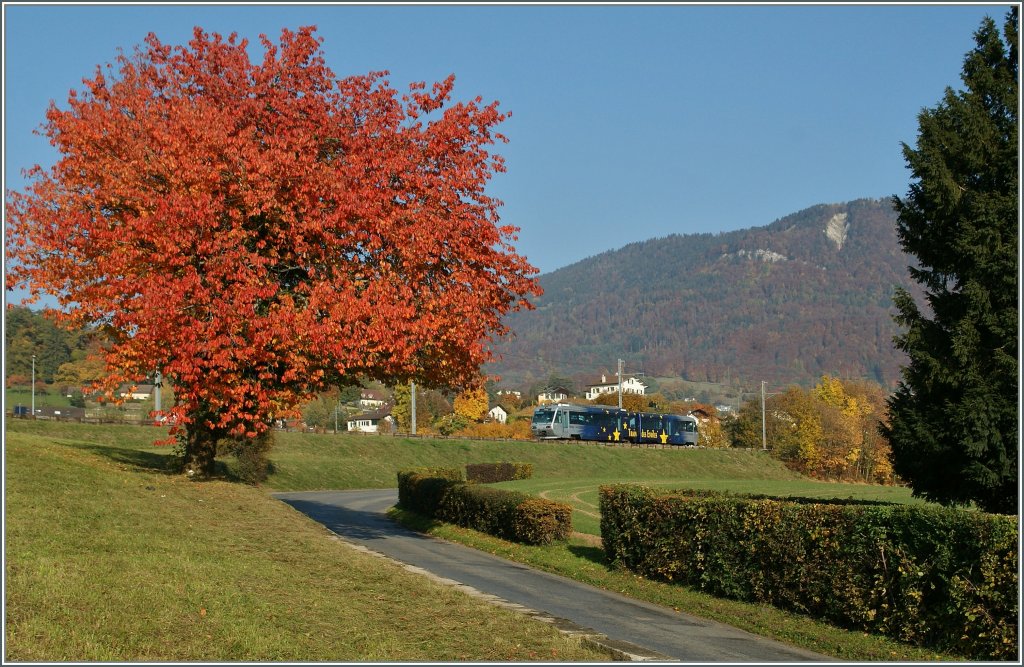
point(606, 424)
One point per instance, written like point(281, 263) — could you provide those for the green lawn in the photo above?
point(23, 397)
point(308, 461)
point(144, 565)
point(109, 558)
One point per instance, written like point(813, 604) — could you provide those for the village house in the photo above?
point(498, 414)
point(372, 422)
point(142, 392)
point(372, 398)
point(603, 386)
point(551, 396)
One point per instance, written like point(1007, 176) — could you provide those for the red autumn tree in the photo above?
point(259, 232)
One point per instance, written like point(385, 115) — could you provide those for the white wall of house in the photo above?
point(629, 386)
point(498, 414)
point(550, 397)
point(363, 425)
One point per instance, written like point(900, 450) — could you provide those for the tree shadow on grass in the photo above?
point(162, 462)
point(165, 462)
point(592, 553)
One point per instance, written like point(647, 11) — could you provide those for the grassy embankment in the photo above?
point(111, 559)
point(561, 471)
point(23, 396)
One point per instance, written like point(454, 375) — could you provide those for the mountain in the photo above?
point(806, 295)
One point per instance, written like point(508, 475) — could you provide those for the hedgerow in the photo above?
point(488, 473)
point(511, 515)
point(420, 489)
point(929, 576)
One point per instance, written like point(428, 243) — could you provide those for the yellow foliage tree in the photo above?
point(472, 404)
point(712, 435)
point(856, 448)
point(831, 431)
point(795, 430)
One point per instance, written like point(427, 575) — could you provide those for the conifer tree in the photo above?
point(954, 427)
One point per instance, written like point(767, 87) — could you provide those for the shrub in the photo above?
point(482, 508)
point(539, 521)
point(489, 473)
point(421, 489)
point(515, 430)
point(507, 514)
point(253, 464)
point(450, 424)
point(926, 575)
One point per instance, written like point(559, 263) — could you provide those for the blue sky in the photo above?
point(628, 122)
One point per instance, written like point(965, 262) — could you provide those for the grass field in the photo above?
point(146, 566)
point(108, 558)
point(23, 397)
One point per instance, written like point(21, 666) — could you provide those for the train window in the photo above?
point(580, 418)
point(543, 416)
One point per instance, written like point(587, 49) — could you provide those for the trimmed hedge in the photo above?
point(489, 473)
point(420, 489)
point(929, 576)
point(507, 514)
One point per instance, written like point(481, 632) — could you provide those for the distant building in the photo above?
point(603, 386)
point(371, 422)
point(142, 392)
point(498, 414)
point(49, 412)
point(371, 398)
point(551, 396)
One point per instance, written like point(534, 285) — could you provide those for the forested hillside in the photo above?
point(806, 295)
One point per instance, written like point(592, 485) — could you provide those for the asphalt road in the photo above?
point(359, 517)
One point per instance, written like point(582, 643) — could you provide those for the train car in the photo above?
point(570, 422)
point(666, 429)
point(606, 424)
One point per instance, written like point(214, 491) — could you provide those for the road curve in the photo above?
point(359, 517)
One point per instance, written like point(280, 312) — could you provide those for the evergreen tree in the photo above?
point(954, 425)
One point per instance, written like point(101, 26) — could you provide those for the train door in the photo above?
point(563, 422)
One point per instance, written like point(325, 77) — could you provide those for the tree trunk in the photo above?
point(200, 451)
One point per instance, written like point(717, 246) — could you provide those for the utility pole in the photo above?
point(157, 382)
point(413, 394)
point(33, 386)
point(764, 427)
point(619, 373)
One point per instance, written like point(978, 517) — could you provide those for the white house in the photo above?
point(140, 392)
point(498, 414)
point(371, 398)
point(551, 396)
point(371, 422)
point(629, 386)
